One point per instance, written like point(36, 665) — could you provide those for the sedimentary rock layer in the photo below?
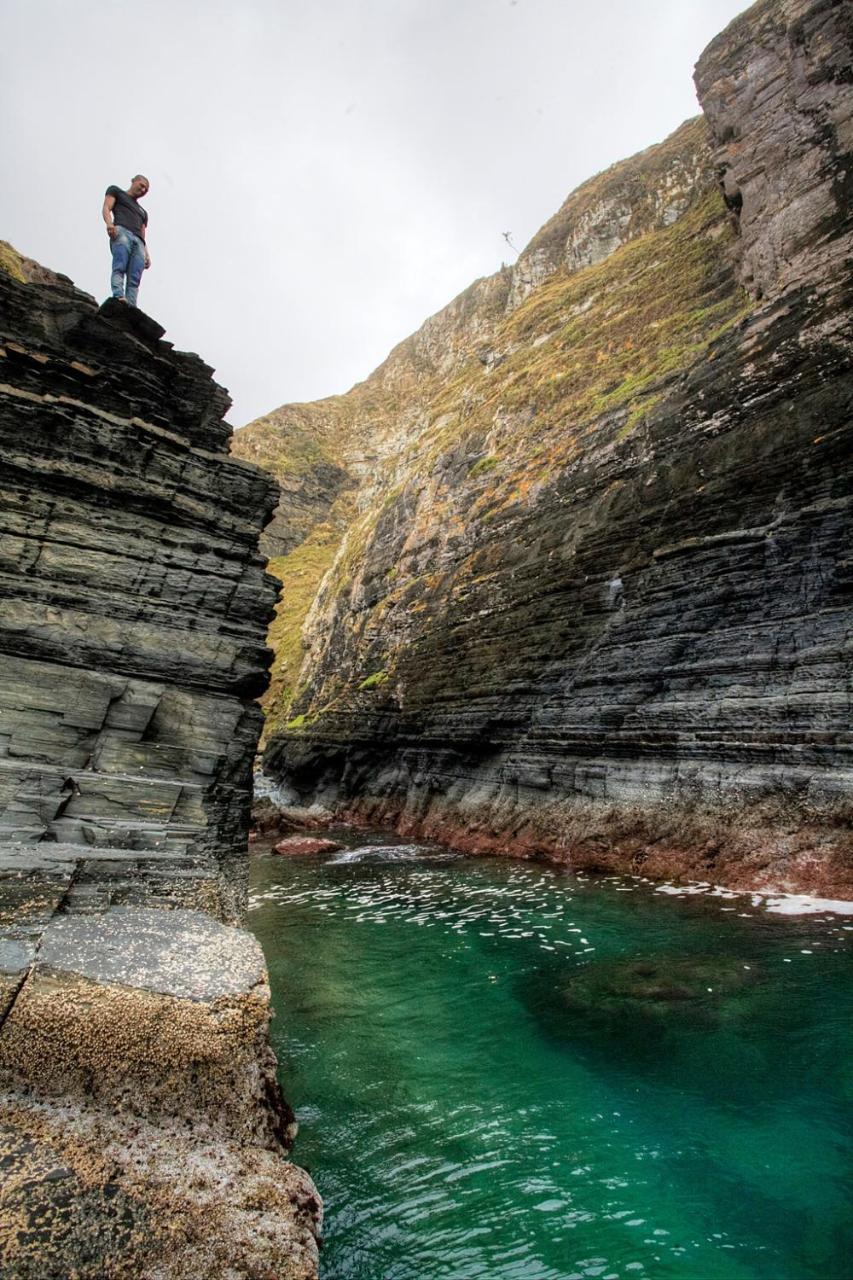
point(134, 601)
point(595, 602)
point(143, 1129)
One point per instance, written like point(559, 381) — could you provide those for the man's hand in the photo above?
point(108, 216)
point(147, 259)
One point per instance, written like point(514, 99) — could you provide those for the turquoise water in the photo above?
point(508, 1073)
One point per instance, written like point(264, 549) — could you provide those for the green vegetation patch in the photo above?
point(620, 331)
point(374, 681)
point(292, 448)
point(484, 465)
point(624, 325)
point(301, 573)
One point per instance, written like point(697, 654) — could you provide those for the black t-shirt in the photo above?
point(128, 212)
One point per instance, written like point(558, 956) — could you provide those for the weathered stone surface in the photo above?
point(142, 1128)
point(139, 1082)
point(775, 87)
point(595, 604)
point(153, 1013)
point(87, 1194)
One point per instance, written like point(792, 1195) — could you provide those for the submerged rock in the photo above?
point(655, 985)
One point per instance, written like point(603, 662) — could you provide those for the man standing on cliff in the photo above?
point(127, 223)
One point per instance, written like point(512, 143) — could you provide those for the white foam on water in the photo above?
point(390, 853)
point(783, 904)
point(802, 904)
point(683, 890)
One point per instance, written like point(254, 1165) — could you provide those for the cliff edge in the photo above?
point(143, 1129)
point(584, 590)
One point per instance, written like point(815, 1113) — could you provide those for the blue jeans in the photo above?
point(128, 260)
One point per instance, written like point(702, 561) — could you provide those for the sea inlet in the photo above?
point(508, 1072)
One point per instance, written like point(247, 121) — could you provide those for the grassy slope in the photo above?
point(12, 262)
point(301, 573)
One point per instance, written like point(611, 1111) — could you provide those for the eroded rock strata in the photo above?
point(592, 601)
point(143, 1128)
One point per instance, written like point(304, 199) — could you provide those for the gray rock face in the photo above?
point(775, 87)
point(140, 1106)
point(624, 202)
point(176, 953)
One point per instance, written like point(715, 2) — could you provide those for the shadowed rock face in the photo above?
point(595, 601)
point(142, 1127)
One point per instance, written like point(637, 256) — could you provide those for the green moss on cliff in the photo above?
point(26, 270)
point(375, 680)
point(301, 573)
point(580, 363)
point(616, 333)
point(290, 452)
point(298, 722)
point(483, 465)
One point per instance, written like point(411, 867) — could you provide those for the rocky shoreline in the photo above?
point(758, 851)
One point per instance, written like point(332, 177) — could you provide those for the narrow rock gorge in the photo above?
point(143, 1128)
point(569, 574)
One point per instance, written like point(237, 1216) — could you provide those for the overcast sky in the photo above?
point(323, 175)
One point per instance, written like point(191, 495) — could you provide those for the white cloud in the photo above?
point(323, 177)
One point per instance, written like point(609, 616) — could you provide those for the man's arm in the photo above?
point(107, 215)
point(145, 244)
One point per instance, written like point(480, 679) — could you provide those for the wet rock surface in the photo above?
point(267, 817)
point(296, 845)
point(596, 603)
point(142, 1128)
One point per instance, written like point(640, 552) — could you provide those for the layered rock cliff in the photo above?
point(592, 596)
point(143, 1129)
